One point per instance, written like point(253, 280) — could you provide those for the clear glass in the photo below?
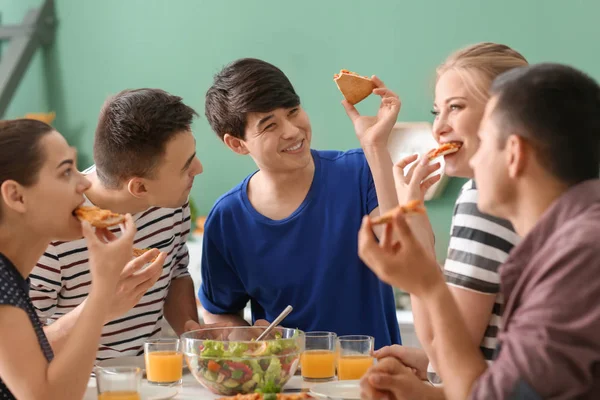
point(164, 361)
point(118, 383)
point(318, 359)
point(354, 356)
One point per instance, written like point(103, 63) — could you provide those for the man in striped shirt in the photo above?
point(145, 166)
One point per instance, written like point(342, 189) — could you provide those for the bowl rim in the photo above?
point(186, 335)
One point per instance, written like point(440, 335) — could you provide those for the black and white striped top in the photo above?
point(479, 244)
point(61, 280)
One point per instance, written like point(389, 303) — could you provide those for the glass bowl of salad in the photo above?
point(228, 361)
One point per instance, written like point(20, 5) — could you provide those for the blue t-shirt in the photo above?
point(308, 260)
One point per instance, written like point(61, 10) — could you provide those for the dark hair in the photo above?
point(246, 85)
point(133, 129)
point(557, 109)
point(21, 155)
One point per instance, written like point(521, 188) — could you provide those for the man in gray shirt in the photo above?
point(537, 166)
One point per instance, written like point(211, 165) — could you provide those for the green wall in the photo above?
point(104, 46)
point(31, 95)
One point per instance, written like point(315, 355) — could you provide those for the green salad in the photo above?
point(242, 367)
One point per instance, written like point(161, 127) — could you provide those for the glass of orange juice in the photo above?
point(354, 356)
point(164, 361)
point(317, 362)
point(118, 383)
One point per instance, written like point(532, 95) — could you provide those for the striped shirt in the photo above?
point(479, 244)
point(61, 280)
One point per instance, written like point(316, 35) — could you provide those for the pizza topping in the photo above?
point(410, 208)
point(98, 217)
point(446, 148)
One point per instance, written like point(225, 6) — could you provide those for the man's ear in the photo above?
point(13, 196)
point(235, 144)
point(137, 187)
point(518, 153)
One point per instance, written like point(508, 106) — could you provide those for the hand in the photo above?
point(133, 283)
point(108, 254)
point(218, 334)
point(413, 358)
point(413, 185)
point(375, 131)
point(403, 263)
point(390, 379)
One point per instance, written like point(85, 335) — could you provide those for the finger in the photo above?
point(108, 235)
point(352, 112)
point(140, 290)
point(392, 102)
point(388, 351)
point(411, 172)
point(89, 234)
point(384, 382)
point(386, 94)
point(405, 162)
point(429, 182)
point(367, 391)
point(377, 82)
point(423, 169)
point(130, 229)
point(399, 167)
point(138, 262)
point(191, 325)
point(99, 232)
point(386, 238)
point(150, 275)
point(388, 365)
point(401, 228)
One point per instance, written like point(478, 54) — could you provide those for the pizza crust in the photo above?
point(354, 87)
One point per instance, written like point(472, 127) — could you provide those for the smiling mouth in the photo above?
point(295, 147)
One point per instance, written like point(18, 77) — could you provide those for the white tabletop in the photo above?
point(190, 389)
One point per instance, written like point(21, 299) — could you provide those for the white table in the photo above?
point(192, 389)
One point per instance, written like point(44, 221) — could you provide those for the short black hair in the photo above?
point(133, 129)
point(246, 85)
point(557, 109)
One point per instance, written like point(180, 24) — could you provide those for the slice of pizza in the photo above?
point(354, 87)
point(446, 148)
point(411, 208)
point(98, 217)
point(138, 252)
point(44, 117)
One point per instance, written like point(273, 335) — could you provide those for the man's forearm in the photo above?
point(458, 360)
point(381, 166)
point(180, 304)
point(59, 331)
point(234, 319)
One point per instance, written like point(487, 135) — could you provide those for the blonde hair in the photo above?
point(479, 64)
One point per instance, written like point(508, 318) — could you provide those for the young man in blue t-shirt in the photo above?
point(287, 234)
